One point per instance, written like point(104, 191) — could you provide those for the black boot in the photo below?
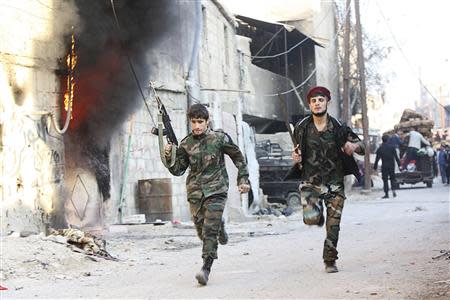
point(223, 235)
point(330, 267)
point(203, 276)
point(385, 196)
point(394, 194)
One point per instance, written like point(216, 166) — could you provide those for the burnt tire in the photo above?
point(293, 200)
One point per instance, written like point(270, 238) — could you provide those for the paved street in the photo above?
point(386, 249)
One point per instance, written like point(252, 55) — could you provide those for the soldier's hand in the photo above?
point(296, 154)
point(244, 188)
point(167, 149)
point(349, 148)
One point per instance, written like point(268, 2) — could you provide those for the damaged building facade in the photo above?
point(76, 141)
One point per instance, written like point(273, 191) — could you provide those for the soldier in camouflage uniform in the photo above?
point(323, 155)
point(207, 183)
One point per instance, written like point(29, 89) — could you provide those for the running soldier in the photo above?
point(207, 183)
point(323, 155)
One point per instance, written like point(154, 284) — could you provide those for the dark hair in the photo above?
point(385, 138)
point(198, 111)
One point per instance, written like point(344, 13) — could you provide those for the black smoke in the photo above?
point(106, 92)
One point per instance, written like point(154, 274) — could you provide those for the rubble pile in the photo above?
point(411, 119)
point(90, 244)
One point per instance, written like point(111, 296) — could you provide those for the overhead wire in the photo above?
point(130, 63)
point(26, 12)
point(45, 5)
point(290, 49)
point(407, 60)
point(267, 43)
point(315, 68)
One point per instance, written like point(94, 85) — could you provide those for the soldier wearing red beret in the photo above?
point(323, 155)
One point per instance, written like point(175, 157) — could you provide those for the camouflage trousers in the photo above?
point(332, 196)
point(207, 214)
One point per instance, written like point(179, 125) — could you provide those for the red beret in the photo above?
point(318, 90)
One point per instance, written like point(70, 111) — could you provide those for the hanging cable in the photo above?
point(406, 59)
point(313, 71)
point(290, 49)
point(119, 29)
point(267, 43)
point(68, 97)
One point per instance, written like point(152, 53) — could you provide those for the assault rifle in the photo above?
point(164, 129)
point(165, 119)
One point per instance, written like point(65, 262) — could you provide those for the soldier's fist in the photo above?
point(349, 148)
point(244, 188)
point(167, 149)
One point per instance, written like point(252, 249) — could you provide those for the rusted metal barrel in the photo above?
point(155, 199)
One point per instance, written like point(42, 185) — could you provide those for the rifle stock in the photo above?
point(164, 129)
point(165, 119)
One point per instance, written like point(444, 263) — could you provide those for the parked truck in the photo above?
point(421, 170)
point(274, 164)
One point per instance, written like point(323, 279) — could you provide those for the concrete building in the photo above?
point(98, 60)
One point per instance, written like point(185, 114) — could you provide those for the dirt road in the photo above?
point(386, 249)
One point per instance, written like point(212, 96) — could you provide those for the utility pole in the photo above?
point(362, 84)
point(346, 116)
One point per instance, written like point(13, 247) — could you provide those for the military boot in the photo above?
point(223, 235)
point(203, 276)
point(330, 267)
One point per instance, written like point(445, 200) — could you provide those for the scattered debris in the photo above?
point(183, 225)
point(443, 281)
point(14, 234)
point(90, 244)
point(417, 208)
point(134, 219)
point(26, 233)
point(276, 209)
point(444, 254)
point(159, 222)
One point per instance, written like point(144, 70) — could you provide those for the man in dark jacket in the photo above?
point(323, 154)
point(447, 162)
point(387, 154)
point(442, 164)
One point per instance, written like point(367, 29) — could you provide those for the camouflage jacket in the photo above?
point(323, 161)
point(204, 155)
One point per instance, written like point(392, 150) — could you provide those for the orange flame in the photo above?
point(71, 62)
